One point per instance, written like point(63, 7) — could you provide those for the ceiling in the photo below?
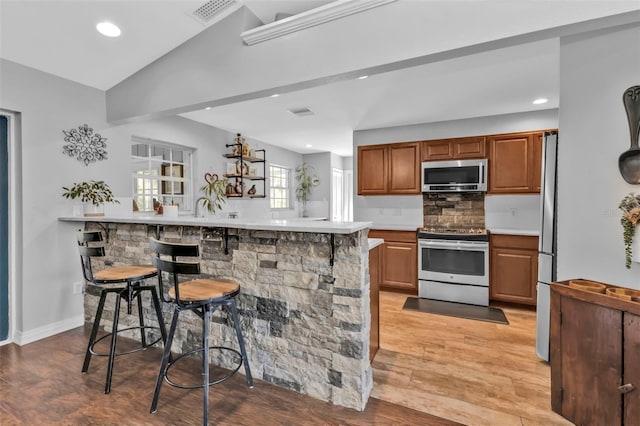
point(58, 37)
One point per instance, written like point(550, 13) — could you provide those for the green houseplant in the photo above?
point(214, 193)
point(630, 206)
point(93, 192)
point(306, 181)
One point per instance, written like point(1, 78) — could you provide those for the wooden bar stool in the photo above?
point(203, 297)
point(131, 287)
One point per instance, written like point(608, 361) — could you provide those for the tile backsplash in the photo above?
point(454, 210)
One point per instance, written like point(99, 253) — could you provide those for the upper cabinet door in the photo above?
point(453, 149)
point(509, 165)
point(390, 169)
point(473, 147)
point(435, 150)
point(404, 168)
point(373, 170)
point(536, 162)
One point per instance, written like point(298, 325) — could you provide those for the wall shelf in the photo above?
point(240, 178)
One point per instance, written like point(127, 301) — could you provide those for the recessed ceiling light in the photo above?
point(540, 101)
point(362, 77)
point(308, 145)
point(275, 95)
point(208, 108)
point(108, 29)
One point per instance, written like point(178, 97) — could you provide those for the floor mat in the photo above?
point(460, 310)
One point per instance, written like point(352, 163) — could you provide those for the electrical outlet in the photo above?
point(78, 287)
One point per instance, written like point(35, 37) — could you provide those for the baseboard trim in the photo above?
point(26, 337)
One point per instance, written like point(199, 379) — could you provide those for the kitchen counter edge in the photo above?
point(375, 242)
point(285, 225)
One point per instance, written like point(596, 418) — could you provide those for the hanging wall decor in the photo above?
point(629, 161)
point(85, 145)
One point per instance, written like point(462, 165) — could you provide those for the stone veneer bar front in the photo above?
point(305, 322)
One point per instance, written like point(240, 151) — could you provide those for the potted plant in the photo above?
point(214, 193)
point(630, 206)
point(305, 183)
point(95, 193)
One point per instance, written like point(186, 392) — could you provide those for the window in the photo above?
point(279, 187)
point(161, 174)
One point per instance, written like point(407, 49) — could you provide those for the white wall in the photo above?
point(47, 106)
point(49, 254)
point(595, 70)
point(408, 210)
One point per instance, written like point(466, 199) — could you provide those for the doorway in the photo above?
point(4, 228)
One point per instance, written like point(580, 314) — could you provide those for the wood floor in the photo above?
point(41, 384)
point(471, 372)
point(430, 370)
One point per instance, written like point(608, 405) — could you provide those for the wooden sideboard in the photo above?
point(595, 357)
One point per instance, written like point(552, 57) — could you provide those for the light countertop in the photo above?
point(375, 242)
point(394, 227)
point(286, 225)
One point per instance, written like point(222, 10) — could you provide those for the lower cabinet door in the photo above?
point(400, 267)
point(591, 360)
point(631, 375)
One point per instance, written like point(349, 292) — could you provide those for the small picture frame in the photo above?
point(231, 169)
point(253, 171)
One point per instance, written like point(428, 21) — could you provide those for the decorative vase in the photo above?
point(93, 210)
point(304, 209)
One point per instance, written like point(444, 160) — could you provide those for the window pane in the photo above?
point(161, 175)
point(279, 190)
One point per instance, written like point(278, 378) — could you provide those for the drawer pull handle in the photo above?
point(626, 388)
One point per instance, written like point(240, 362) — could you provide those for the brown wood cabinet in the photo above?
point(373, 170)
point(513, 269)
point(398, 260)
point(454, 149)
point(374, 295)
point(595, 342)
point(390, 169)
point(515, 162)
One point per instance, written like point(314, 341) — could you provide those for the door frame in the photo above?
point(15, 225)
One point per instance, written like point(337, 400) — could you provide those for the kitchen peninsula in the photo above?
point(304, 303)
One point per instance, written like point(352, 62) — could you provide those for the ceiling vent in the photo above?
point(301, 112)
point(211, 10)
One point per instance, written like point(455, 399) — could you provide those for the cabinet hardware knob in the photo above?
point(626, 388)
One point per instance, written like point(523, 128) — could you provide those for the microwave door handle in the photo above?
point(481, 172)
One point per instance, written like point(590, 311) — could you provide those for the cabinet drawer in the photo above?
point(525, 242)
point(398, 236)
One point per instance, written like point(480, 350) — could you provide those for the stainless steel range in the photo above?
point(453, 265)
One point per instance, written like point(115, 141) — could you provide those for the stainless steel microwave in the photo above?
point(454, 176)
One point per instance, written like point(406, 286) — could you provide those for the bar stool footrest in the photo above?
point(201, 385)
point(141, 348)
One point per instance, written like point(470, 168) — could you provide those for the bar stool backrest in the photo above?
point(173, 266)
point(87, 252)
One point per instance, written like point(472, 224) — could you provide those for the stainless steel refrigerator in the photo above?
point(547, 242)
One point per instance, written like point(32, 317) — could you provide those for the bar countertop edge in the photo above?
point(286, 225)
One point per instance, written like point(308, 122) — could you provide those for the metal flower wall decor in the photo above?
point(85, 145)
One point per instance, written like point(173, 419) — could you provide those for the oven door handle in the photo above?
point(457, 245)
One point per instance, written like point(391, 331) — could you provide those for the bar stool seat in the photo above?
point(130, 278)
point(121, 274)
point(206, 289)
point(203, 296)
